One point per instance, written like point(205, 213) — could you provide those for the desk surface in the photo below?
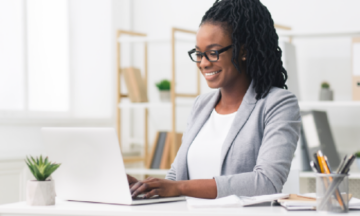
point(159, 209)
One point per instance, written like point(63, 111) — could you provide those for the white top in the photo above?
point(205, 151)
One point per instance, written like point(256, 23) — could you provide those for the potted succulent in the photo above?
point(41, 192)
point(164, 89)
point(326, 94)
point(357, 154)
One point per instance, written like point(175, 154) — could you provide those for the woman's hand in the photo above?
point(154, 186)
point(132, 181)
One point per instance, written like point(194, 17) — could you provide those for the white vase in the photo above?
point(326, 94)
point(165, 96)
point(40, 193)
point(358, 162)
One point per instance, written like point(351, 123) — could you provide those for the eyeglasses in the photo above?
point(211, 55)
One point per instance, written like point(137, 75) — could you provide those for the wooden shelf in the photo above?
point(153, 105)
point(354, 175)
point(146, 171)
point(298, 34)
point(329, 104)
point(153, 40)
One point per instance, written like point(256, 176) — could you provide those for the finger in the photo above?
point(149, 179)
point(131, 179)
point(145, 187)
point(135, 186)
point(152, 193)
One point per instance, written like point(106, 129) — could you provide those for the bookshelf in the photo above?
point(122, 103)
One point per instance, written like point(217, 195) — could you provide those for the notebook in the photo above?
point(232, 201)
point(296, 202)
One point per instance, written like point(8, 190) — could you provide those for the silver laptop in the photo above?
point(92, 167)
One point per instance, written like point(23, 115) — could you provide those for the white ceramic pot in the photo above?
point(40, 193)
point(358, 162)
point(165, 96)
point(326, 94)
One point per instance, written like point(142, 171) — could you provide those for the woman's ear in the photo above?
point(242, 54)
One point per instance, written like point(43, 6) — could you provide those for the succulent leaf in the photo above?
point(40, 168)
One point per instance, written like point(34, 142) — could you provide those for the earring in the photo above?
point(244, 58)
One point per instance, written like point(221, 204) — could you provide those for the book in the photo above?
point(161, 154)
point(157, 151)
point(135, 84)
point(152, 152)
point(317, 135)
point(165, 159)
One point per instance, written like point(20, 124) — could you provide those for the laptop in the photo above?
point(92, 168)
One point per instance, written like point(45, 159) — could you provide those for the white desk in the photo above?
point(160, 209)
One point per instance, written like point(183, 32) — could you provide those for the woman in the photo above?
point(241, 138)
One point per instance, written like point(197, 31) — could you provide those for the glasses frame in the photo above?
point(218, 52)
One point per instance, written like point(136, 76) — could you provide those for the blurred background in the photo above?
point(60, 60)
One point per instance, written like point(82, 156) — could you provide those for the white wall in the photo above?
point(92, 39)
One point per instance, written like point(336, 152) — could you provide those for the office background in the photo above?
point(58, 68)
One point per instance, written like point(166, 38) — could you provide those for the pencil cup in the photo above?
point(332, 193)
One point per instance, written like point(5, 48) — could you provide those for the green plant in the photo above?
point(41, 169)
point(325, 85)
point(357, 154)
point(163, 85)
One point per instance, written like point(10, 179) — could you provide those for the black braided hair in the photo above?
point(252, 27)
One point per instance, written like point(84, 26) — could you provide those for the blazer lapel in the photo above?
point(242, 115)
point(200, 119)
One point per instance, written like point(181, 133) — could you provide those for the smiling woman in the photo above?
point(241, 138)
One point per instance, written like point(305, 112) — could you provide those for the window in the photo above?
point(34, 58)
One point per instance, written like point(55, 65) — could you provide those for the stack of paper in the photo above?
point(232, 201)
point(308, 202)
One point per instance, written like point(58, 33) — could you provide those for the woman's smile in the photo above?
point(211, 75)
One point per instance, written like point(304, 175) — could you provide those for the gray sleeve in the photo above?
point(281, 134)
point(171, 175)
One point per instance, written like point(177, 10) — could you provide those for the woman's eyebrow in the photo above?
point(209, 46)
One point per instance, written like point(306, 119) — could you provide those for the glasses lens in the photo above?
point(196, 56)
point(212, 55)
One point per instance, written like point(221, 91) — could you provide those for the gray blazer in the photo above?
point(257, 152)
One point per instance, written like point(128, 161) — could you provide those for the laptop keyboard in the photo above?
point(141, 197)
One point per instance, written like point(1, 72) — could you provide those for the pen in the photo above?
point(339, 169)
point(313, 167)
point(346, 168)
point(327, 163)
point(316, 161)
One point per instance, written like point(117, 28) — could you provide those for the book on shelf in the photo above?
point(135, 84)
point(160, 155)
point(316, 135)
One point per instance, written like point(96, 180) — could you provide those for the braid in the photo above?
point(252, 27)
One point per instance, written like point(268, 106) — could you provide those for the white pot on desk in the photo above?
point(40, 193)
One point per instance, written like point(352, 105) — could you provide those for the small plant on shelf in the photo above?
point(42, 191)
point(164, 90)
point(163, 85)
point(357, 155)
point(326, 94)
point(325, 85)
